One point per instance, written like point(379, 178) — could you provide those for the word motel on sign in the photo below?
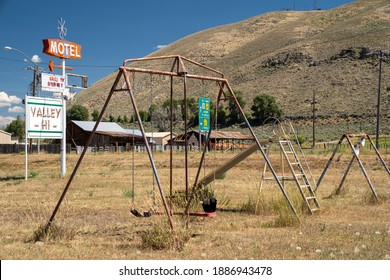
point(61, 48)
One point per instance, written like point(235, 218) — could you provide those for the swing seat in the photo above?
point(146, 214)
point(135, 213)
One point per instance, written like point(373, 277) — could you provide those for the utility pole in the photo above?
point(34, 83)
point(314, 118)
point(34, 88)
point(378, 102)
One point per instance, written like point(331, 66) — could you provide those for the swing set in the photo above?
point(180, 69)
point(356, 142)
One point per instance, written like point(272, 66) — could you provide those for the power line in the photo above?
point(72, 65)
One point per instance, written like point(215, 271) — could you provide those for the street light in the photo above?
point(8, 48)
point(36, 67)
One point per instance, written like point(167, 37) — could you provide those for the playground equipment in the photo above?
point(183, 70)
point(355, 148)
point(298, 168)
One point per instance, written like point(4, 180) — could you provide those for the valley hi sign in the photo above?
point(61, 48)
point(44, 117)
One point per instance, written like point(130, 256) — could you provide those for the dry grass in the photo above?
point(94, 221)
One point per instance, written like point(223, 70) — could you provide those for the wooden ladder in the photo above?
point(299, 175)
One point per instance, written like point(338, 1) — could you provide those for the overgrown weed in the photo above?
point(162, 237)
point(51, 233)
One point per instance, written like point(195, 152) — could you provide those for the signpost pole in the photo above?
point(25, 141)
point(200, 140)
point(63, 50)
point(63, 140)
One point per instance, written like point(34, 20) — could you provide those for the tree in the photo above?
point(16, 128)
point(77, 113)
point(111, 118)
point(264, 106)
point(95, 114)
point(221, 116)
point(192, 111)
point(144, 116)
point(234, 114)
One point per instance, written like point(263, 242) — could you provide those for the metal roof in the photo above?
point(108, 128)
point(5, 132)
point(103, 126)
point(134, 132)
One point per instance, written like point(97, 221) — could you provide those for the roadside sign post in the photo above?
point(204, 117)
point(63, 140)
point(44, 119)
point(62, 49)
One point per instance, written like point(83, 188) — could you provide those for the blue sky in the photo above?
point(109, 32)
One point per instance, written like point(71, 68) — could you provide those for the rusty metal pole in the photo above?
point(329, 162)
point(362, 168)
point(185, 133)
point(344, 176)
point(157, 178)
point(171, 150)
point(51, 219)
point(378, 154)
point(262, 151)
point(205, 144)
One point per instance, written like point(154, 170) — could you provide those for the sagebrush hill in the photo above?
point(288, 55)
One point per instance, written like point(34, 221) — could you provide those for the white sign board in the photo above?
point(44, 117)
point(52, 83)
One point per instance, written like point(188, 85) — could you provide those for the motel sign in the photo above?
point(61, 48)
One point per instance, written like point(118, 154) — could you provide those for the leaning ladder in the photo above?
point(299, 175)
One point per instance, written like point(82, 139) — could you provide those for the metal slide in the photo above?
point(230, 164)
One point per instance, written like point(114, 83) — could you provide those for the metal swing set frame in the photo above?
point(179, 66)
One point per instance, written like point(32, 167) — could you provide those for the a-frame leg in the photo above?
point(329, 162)
point(345, 176)
point(363, 170)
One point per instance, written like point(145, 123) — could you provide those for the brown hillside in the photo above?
point(290, 54)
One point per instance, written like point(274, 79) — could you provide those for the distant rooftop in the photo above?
point(108, 128)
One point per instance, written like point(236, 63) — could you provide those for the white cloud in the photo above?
point(159, 47)
point(5, 120)
point(7, 100)
point(36, 59)
point(16, 109)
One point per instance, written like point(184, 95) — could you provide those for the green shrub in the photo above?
point(128, 193)
point(33, 174)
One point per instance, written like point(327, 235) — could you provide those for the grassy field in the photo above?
point(94, 221)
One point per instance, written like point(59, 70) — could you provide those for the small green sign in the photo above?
point(204, 113)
